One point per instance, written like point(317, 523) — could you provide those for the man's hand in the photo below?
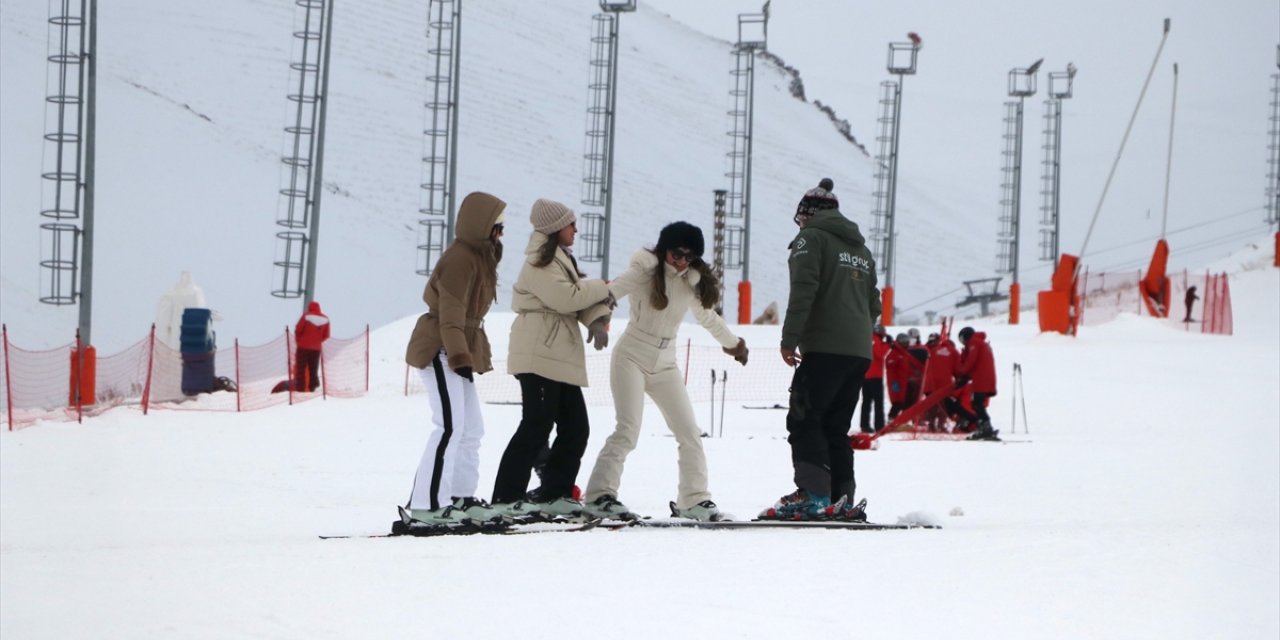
point(790, 357)
point(597, 335)
point(961, 381)
point(466, 372)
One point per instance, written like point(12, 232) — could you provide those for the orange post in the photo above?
point(1015, 298)
point(886, 306)
point(1054, 306)
point(1277, 258)
point(85, 383)
point(744, 302)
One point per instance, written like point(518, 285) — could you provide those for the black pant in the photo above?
point(980, 406)
point(306, 370)
point(872, 393)
point(547, 403)
point(824, 392)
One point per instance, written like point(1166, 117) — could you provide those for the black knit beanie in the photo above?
point(680, 235)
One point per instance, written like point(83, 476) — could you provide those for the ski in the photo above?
point(472, 529)
point(679, 523)
point(764, 406)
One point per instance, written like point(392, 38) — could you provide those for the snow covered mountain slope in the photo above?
point(191, 111)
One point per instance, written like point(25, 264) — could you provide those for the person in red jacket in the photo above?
point(939, 373)
point(873, 382)
point(310, 334)
point(978, 364)
point(898, 367)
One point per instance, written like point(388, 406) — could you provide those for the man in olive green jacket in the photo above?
point(449, 347)
point(833, 306)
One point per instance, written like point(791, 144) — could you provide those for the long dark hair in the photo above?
point(707, 289)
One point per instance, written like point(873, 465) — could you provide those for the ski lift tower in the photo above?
point(753, 33)
point(1022, 85)
point(1273, 157)
point(602, 90)
point(1060, 87)
point(440, 132)
point(299, 212)
point(67, 172)
point(902, 62)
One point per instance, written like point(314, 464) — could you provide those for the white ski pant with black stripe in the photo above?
point(641, 367)
point(450, 465)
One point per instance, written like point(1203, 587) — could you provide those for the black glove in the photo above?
point(961, 381)
point(596, 333)
point(467, 373)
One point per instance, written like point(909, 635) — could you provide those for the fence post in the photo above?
point(288, 363)
point(8, 376)
point(366, 358)
point(688, 347)
point(236, 343)
point(151, 361)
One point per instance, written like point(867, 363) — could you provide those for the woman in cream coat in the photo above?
point(663, 283)
point(551, 298)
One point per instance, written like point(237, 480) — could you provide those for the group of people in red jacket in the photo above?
point(909, 371)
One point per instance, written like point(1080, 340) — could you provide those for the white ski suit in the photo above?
point(644, 361)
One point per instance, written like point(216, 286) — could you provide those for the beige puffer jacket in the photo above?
point(549, 303)
point(659, 326)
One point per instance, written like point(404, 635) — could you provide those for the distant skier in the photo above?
point(977, 364)
point(832, 307)
point(664, 283)
point(449, 348)
point(1190, 301)
point(552, 300)
point(310, 333)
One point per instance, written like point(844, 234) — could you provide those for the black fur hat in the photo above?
point(680, 235)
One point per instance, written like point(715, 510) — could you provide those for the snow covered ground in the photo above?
point(1144, 503)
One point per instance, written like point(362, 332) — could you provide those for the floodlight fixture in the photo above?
point(753, 30)
point(618, 6)
point(1022, 82)
point(902, 55)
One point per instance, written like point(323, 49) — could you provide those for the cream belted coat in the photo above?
point(550, 302)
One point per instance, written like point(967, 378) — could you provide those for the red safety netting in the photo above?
point(763, 381)
point(1106, 295)
point(36, 385)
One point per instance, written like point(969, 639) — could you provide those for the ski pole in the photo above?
point(712, 428)
point(1026, 427)
point(724, 386)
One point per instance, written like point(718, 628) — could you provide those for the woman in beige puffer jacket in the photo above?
point(664, 283)
point(551, 298)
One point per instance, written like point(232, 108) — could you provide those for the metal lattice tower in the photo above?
point(602, 104)
point(1060, 86)
point(303, 158)
point(753, 30)
point(440, 140)
point(68, 167)
point(902, 62)
point(1273, 152)
point(1022, 85)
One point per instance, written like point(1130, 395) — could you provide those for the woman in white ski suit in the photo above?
point(663, 284)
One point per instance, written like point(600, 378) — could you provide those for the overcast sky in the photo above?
point(952, 109)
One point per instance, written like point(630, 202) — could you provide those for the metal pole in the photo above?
point(317, 189)
point(890, 255)
point(1168, 163)
point(746, 187)
point(1016, 223)
point(451, 202)
point(613, 113)
point(1057, 176)
point(1111, 174)
point(90, 126)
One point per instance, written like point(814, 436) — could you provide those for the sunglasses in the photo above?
point(499, 227)
point(683, 254)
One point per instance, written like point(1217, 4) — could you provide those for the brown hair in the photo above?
point(707, 289)
point(547, 254)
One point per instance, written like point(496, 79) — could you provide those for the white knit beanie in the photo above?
point(549, 216)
